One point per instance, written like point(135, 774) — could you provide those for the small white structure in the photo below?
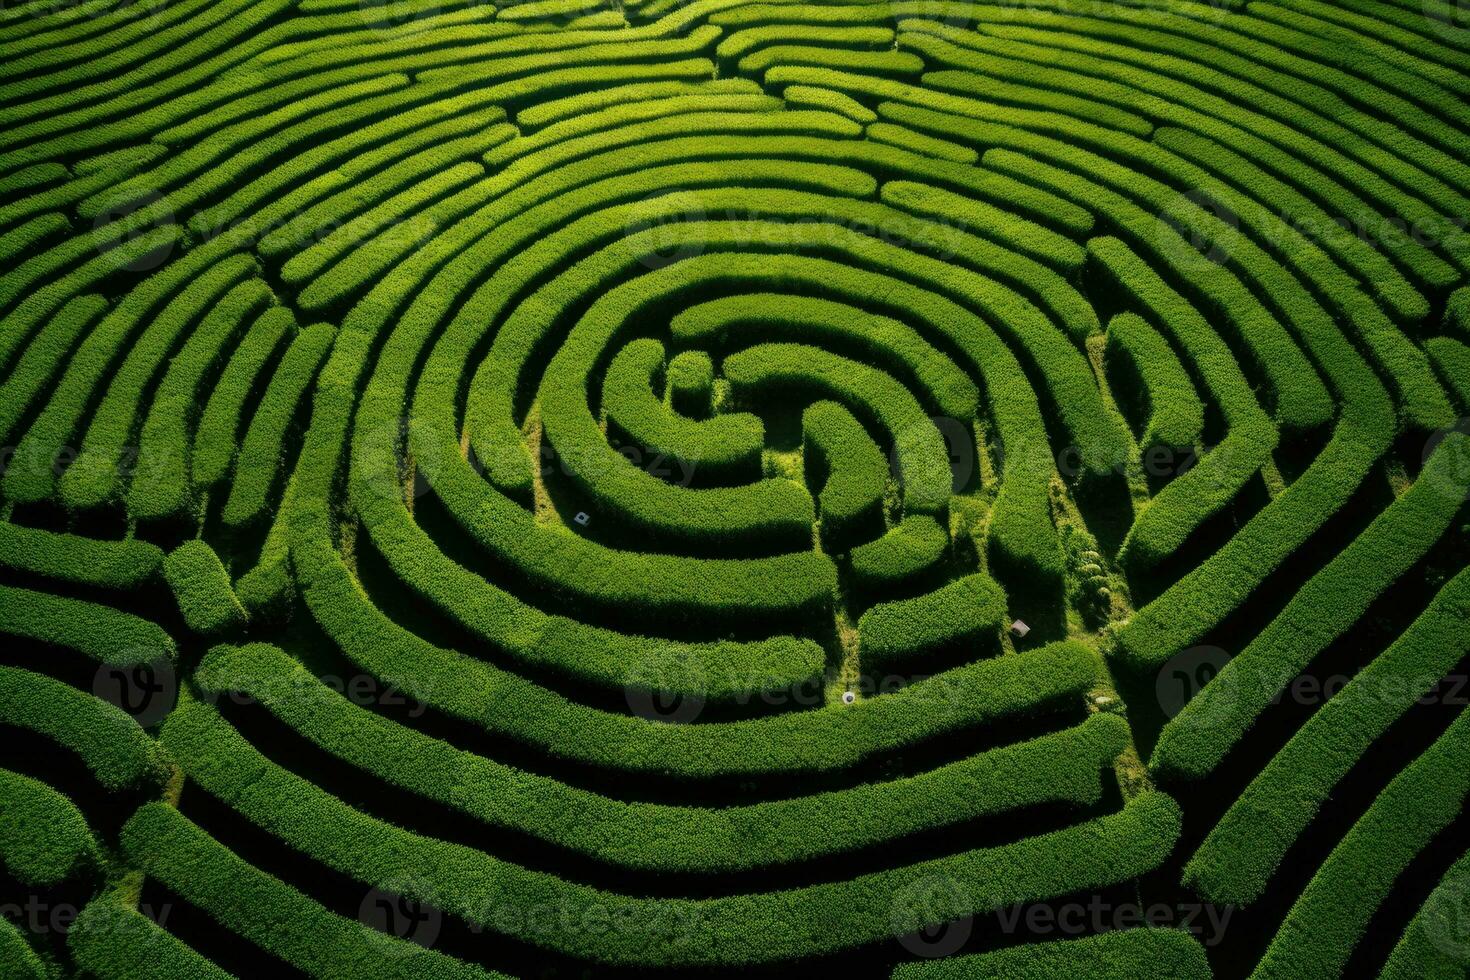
point(1019, 629)
point(848, 697)
point(583, 518)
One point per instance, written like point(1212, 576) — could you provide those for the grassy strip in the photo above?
point(160, 479)
point(909, 551)
point(217, 437)
point(1431, 947)
point(918, 446)
point(98, 470)
point(262, 456)
point(1187, 502)
point(724, 449)
point(736, 320)
point(19, 959)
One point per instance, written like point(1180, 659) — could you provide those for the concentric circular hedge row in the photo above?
point(703, 487)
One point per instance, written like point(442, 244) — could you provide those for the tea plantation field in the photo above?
point(734, 488)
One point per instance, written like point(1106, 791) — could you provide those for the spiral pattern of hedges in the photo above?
point(711, 487)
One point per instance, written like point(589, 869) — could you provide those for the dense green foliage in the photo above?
point(705, 486)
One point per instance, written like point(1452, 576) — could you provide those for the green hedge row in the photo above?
point(1422, 953)
point(287, 206)
point(1451, 360)
point(725, 449)
point(746, 928)
point(1332, 914)
point(44, 839)
point(732, 321)
point(1166, 522)
point(1457, 312)
point(127, 564)
point(630, 125)
point(403, 214)
point(201, 586)
point(1239, 116)
point(217, 437)
point(514, 470)
point(775, 510)
point(909, 551)
point(719, 592)
point(1034, 98)
point(113, 941)
point(203, 170)
point(1023, 520)
point(1282, 73)
point(196, 76)
point(963, 617)
point(474, 691)
point(691, 381)
point(1186, 160)
point(738, 44)
point(350, 212)
point(1124, 954)
point(887, 62)
point(103, 634)
point(669, 95)
point(18, 956)
point(1364, 431)
point(1147, 364)
point(1241, 853)
point(920, 452)
point(1063, 767)
point(98, 264)
point(32, 473)
point(908, 139)
point(1002, 227)
point(490, 410)
point(160, 484)
point(697, 589)
point(95, 475)
point(1302, 402)
point(849, 473)
point(119, 754)
point(1328, 605)
point(270, 913)
point(261, 459)
point(36, 369)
